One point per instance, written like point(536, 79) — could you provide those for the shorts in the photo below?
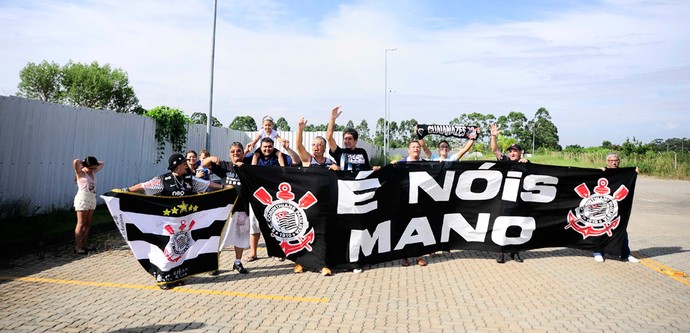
point(84, 201)
point(236, 232)
point(253, 223)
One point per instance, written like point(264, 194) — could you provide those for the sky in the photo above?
point(605, 70)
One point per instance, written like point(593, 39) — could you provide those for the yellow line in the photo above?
point(176, 289)
point(666, 270)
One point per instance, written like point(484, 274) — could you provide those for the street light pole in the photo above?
point(385, 109)
point(209, 117)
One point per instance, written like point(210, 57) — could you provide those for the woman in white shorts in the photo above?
point(85, 200)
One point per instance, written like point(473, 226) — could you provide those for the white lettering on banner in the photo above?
point(464, 188)
point(457, 223)
point(348, 199)
point(527, 225)
point(424, 234)
point(424, 181)
point(360, 239)
point(511, 186)
point(544, 194)
point(536, 188)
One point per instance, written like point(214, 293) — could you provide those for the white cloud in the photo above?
point(605, 72)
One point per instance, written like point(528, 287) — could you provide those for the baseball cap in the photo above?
point(515, 146)
point(175, 160)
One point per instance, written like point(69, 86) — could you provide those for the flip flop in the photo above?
point(250, 258)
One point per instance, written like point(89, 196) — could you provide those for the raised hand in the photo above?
point(494, 130)
point(301, 124)
point(335, 113)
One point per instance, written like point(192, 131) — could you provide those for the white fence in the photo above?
point(40, 140)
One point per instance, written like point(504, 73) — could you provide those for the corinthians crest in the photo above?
point(180, 241)
point(598, 212)
point(287, 219)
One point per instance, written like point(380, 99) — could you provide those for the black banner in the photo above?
point(411, 209)
point(458, 131)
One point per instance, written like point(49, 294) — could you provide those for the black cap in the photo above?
point(515, 146)
point(175, 160)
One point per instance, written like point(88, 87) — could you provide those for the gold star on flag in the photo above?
point(174, 210)
point(166, 212)
point(195, 208)
point(183, 207)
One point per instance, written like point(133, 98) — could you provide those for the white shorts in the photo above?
point(84, 201)
point(236, 232)
point(254, 223)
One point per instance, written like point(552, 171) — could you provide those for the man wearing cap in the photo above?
point(177, 182)
point(514, 155)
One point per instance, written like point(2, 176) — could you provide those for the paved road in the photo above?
point(555, 289)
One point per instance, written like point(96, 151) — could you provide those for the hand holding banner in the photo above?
point(458, 131)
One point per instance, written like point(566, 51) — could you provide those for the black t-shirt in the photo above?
point(351, 159)
point(170, 185)
point(226, 170)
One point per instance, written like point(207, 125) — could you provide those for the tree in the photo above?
point(243, 123)
point(363, 130)
point(98, 87)
point(282, 125)
point(41, 82)
point(200, 118)
point(171, 126)
point(315, 128)
point(545, 132)
point(515, 125)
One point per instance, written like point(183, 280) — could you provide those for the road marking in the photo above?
point(666, 270)
point(176, 289)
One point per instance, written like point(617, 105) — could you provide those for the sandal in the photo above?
point(250, 258)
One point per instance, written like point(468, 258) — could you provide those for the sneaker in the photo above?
point(240, 269)
point(598, 257)
point(632, 259)
point(298, 268)
point(326, 271)
point(421, 261)
point(357, 270)
point(405, 262)
point(501, 258)
point(516, 256)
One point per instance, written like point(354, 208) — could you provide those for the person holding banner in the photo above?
point(316, 159)
point(349, 158)
point(514, 155)
point(414, 149)
point(175, 183)
point(85, 200)
point(237, 234)
point(613, 160)
point(444, 149)
point(318, 148)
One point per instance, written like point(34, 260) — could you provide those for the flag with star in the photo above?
point(172, 237)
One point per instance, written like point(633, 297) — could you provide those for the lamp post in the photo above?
point(209, 117)
point(388, 116)
point(385, 109)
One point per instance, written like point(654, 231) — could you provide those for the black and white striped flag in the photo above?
point(172, 237)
